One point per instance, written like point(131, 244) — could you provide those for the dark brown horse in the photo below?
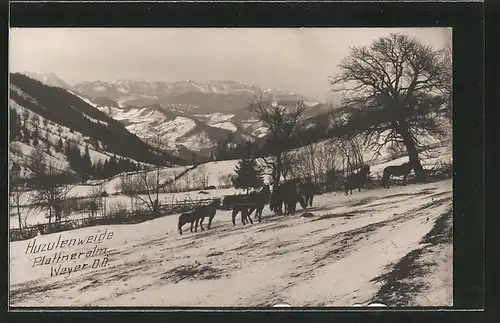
point(399, 170)
point(357, 180)
point(306, 190)
point(254, 201)
point(286, 193)
point(261, 198)
point(198, 215)
point(230, 201)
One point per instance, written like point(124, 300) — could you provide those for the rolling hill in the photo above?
point(53, 114)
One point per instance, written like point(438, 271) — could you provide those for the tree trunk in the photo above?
point(413, 154)
point(50, 215)
point(104, 208)
point(278, 170)
point(19, 219)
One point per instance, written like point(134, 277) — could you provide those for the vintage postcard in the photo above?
point(230, 167)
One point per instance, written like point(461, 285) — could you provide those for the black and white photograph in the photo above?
point(230, 167)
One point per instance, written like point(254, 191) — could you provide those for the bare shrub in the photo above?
point(172, 186)
point(117, 210)
point(225, 180)
point(95, 196)
point(316, 160)
point(144, 186)
point(351, 153)
point(200, 178)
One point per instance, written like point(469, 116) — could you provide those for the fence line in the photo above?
point(121, 217)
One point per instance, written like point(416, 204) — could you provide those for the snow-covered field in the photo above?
point(349, 251)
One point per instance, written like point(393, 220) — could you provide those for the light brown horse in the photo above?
point(357, 180)
point(197, 216)
point(398, 170)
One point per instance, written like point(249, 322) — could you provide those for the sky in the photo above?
point(298, 60)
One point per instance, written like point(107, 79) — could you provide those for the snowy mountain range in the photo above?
point(126, 90)
point(187, 92)
point(188, 116)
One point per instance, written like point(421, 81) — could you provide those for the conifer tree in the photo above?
point(59, 147)
point(248, 175)
point(15, 126)
point(105, 169)
point(97, 169)
point(86, 163)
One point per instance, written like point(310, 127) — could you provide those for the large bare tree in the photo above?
point(282, 123)
point(396, 87)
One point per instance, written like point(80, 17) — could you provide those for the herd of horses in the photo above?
point(283, 199)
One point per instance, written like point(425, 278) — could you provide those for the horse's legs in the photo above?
point(257, 208)
point(192, 223)
point(251, 211)
point(311, 200)
point(249, 217)
point(210, 221)
point(196, 225)
point(404, 179)
point(201, 223)
point(260, 213)
point(233, 215)
point(244, 215)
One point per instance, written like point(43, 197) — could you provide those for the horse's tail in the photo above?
point(302, 202)
point(385, 177)
point(272, 201)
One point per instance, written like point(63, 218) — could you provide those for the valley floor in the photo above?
point(392, 245)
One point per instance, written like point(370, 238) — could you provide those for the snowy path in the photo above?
point(330, 259)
